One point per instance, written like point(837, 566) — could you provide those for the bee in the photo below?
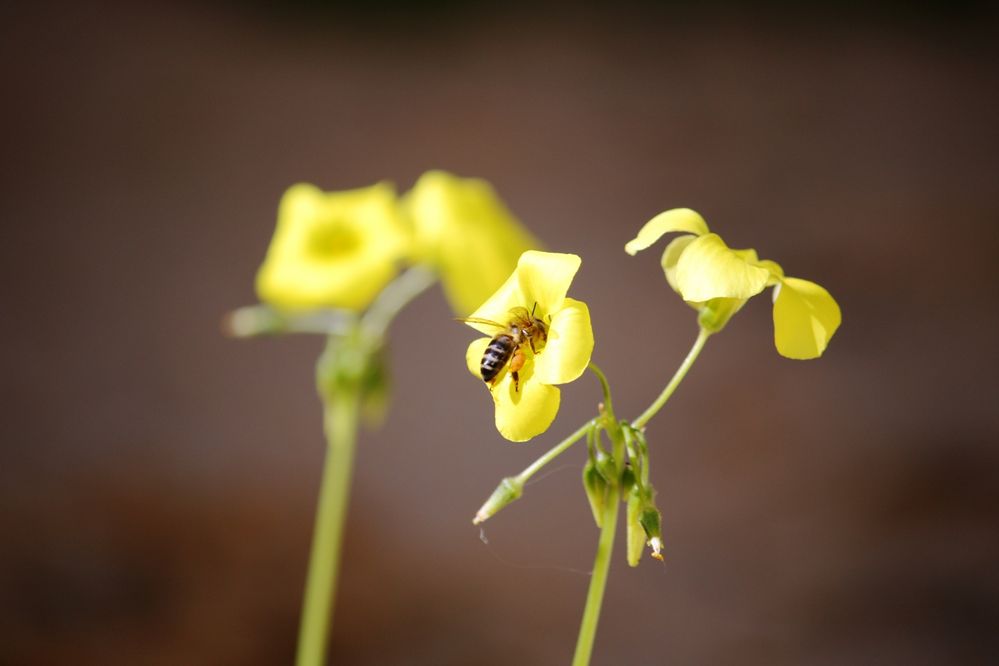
point(507, 346)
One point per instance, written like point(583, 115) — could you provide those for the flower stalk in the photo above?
point(681, 372)
point(332, 268)
point(598, 584)
point(340, 424)
point(608, 530)
point(348, 376)
point(646, 516)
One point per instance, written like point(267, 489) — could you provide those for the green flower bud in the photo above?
point(253, 320)
point(597, 489)
point(507, 491)
point(644, 524)
point(628, 481)
point(607, 468)
point(651, 522)
point(636, 534)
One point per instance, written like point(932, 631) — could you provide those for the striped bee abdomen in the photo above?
point(497, 353)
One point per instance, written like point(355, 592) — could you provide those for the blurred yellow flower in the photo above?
point(332, 249)
point(717, 280)
point(463, 230)
point(557, 352)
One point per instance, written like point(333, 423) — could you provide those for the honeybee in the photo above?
point(507, 346)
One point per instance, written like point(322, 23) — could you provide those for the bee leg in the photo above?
point(516, 363)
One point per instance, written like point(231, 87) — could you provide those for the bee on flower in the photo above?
point(537, 338)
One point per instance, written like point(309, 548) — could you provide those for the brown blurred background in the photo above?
point(158, 480)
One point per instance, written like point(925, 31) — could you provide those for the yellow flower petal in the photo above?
point(541, 278)
point(463, 229)
point(677, 219)
point(671, 256)
point(707, 268)
point(750, 257)
point(805, 318)
point(545, 278)
point(331, 249)
point(498, 307)
point(570, 345)
point(776, 272)
point(523, 414)
point(473, 356)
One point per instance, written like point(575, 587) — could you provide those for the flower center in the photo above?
point(332, 239)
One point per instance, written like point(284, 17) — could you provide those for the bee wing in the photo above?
point(477, 320)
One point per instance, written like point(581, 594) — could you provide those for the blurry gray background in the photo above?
point(158, 480)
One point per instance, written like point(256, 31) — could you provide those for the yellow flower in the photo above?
point(717, 280)
point(332, 249)
point(526, 407)
point(465, 232)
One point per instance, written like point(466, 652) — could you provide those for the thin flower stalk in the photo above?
point(340, 424)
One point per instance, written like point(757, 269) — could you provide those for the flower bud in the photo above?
point(606, 467)
point(651, 522)
point(636, 535)
point(644, 524)
point(597, 489)
point(507, 491)
point(628, 480)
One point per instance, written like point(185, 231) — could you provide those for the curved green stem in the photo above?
point(393, 298)
point(604, 386)
point(340, 425)
point(598, 583)
point(681, 372)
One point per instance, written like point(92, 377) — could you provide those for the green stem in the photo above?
point(256, 320)
point(681, 372)
point(601, 565)
point(340, 425)
point(393, 298)
point(604, 386)
point(553, 453)
point(598, 583)
point(605, 547)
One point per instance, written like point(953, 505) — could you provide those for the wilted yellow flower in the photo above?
point(332, 249)
point(717, 280)
point(561, 351)
point(464, 231)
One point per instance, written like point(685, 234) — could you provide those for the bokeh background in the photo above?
point(157, 480)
